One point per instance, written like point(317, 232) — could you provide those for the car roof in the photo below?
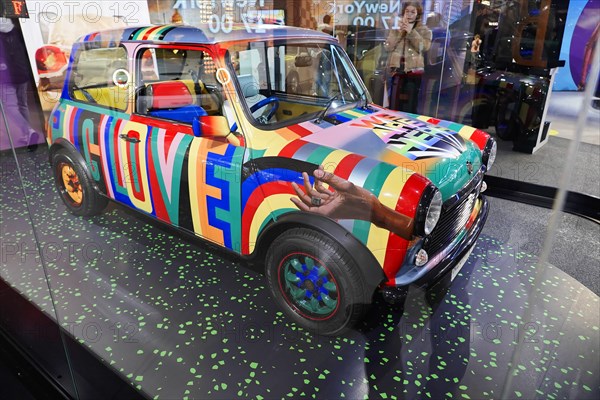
point(201, 34)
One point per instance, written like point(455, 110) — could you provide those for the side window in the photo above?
point(177, 84)
point(101, 77)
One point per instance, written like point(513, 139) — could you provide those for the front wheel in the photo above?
point(316, 282)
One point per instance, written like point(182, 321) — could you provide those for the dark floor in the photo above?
point(12, 386)
point(546, 166)
point(178, 319)
point(576, 249)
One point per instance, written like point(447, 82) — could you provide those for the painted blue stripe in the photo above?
point(109, 134)
point(212, 203)
point(148, 143)
point(76, 130)
point(254, 181)
point(341, 118)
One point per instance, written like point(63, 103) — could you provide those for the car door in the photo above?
point(193, 181)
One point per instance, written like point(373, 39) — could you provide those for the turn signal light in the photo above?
point(421, 258)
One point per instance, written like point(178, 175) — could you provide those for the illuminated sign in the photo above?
point(13, 9)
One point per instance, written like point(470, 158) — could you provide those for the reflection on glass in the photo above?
point(314, 79)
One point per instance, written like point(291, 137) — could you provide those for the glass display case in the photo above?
point(121, 297)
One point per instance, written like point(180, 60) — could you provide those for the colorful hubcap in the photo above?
point(71, 184)
point(309, 285)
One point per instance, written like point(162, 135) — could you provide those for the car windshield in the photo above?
point(293, 81)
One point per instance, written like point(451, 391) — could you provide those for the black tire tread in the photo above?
point(93, 202)
point(354, 277)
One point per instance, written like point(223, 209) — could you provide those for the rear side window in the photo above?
point(100, 76)
point(178, 84)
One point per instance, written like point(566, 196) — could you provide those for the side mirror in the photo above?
point(211, 126)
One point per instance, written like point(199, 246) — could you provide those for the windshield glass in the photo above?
point(288, 81)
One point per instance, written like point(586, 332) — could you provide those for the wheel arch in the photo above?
point(61, 144)
point(371, 272)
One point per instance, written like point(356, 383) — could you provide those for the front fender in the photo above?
point(371, 271)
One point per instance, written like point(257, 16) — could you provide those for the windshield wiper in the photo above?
point(324, 112)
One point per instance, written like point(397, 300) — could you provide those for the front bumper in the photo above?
point(443, 262)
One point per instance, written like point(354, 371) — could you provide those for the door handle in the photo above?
point(129, 138)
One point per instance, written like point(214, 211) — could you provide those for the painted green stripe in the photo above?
point(450, 183)
point(134, 169)
point(454, 126)
point(172, 206)
point(377, 177)
point(90, 126)
point(234, 215)
point(373, 183)
point(360, 229)
point(255, 154)
point(139, 34)
point(319, 155)
point(352, 113)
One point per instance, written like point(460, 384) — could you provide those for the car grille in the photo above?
point(450, 224)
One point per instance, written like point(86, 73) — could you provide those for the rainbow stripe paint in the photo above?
point(228, 191)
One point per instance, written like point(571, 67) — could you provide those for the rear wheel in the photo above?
point(316, 282)
point(74, 184)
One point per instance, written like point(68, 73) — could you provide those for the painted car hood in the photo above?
point(437, 153)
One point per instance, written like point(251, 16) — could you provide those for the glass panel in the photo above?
point(300, 74)
point(177, 84)
point(28, 306)
point(178, 318)
point(101, 77)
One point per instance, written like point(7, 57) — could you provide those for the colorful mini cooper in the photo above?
point(338, 197)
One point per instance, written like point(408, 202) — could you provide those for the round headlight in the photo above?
point(429, 211)
point(433, 213)
point(489, 153)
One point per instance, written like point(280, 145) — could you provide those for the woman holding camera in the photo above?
point(406, 61)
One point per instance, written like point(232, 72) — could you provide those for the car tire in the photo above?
point(316, 282)
point(74, 184)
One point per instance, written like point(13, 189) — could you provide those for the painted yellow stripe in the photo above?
point(194, 176)
point(143, 33)
point(276, 201)
point(210, 232)
point(273, 143)
point(378, 237)
point(331, 162)
point(466, 132)
point(334, 158)
point(354, 113)
point(199, 190)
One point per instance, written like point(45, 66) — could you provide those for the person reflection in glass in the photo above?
point(406, 62)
